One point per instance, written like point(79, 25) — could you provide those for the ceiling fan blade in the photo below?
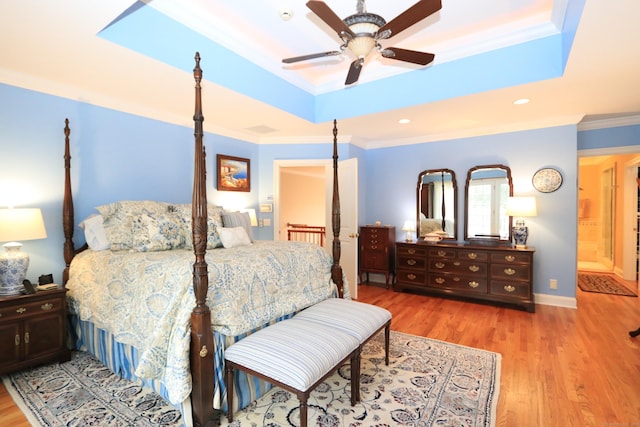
point(354, 71)
point(311, 56)
point(325, 13)
point(415, 13)
point(406, 55)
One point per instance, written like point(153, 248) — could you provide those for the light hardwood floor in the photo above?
point(560, 367)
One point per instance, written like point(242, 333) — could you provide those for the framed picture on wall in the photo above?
point(234, 173)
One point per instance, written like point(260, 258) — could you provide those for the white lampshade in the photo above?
point(17, 224)
point(521, 206)
point(252, 216)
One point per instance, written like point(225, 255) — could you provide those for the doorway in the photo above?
point(608, 211)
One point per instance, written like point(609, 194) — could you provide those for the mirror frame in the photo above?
point(454, 215)
point(466, 201)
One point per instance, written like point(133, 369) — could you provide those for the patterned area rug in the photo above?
point(604, 284)
point(427, 383)
point(83, 392)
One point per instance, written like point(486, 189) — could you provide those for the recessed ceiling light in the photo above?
point(521, 101)
point(404, 121)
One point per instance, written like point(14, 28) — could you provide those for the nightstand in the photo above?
point(33, 329)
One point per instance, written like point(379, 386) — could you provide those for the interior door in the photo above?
point(348, 185)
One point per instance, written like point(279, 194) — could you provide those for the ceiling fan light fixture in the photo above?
point(364, 26)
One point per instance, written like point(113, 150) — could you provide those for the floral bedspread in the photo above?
point(145, 298)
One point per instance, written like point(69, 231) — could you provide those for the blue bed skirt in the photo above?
point(122, 360)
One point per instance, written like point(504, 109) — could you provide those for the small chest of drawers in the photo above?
point(377, 251)
point(500, 274)
point(33, 330)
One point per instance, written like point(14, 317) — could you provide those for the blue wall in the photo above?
point(118, 156)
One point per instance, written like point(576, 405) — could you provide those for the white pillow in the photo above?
point(94, 233)
point(233, 236)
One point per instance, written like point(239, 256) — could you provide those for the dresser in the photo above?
point(377, 251)
point(33, 330)
point(500, 274)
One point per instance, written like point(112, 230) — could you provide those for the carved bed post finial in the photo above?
point(67, 206)
point(336, 269)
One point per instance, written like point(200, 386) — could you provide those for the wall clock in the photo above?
point(547, 180)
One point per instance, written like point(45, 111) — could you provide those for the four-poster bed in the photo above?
point(205, 333)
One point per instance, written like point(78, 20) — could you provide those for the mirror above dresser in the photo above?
point(437, 200)
point(485, 213)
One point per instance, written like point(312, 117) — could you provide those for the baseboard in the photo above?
point(556, 301)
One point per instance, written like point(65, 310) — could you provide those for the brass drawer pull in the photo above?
point(17, 340)
point(472, 255)
point(411, 261)
point(439, 265)
point(509, 271)
point(21, 310)
point(509, 258)
point(411, 251)
point(441, 253)
point(456, 263)
point(439, 280)
point(26, 338)
point(509, 288)
point(456, 279)
point(474, 284)
point(474, 268)
point(373, 247)
point(411, 276)
point(46, 307)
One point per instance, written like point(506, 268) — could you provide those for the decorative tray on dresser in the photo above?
point(501, 274)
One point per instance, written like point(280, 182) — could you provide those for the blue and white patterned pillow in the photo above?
point(183, 211)
point(157, 233)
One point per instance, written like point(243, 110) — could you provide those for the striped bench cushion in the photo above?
point(356, 318)
point(294, 352)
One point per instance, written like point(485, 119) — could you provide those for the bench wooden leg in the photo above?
point(355, 377)
point(387, 333)
point(229, 373)
point(303, 410)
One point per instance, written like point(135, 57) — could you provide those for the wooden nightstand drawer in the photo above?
point(26, 309)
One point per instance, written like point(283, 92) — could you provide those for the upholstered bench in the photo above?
point(358, 319)
point(296, 355)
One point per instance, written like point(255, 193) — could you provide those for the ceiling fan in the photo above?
point(361, 32)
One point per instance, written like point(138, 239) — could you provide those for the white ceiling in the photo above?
point(54, 47)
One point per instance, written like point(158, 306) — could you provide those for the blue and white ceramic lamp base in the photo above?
point(13, 268)
point(520, 235)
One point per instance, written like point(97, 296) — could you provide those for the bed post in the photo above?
point(67, 206)
point(202, 369)
point(336, 269)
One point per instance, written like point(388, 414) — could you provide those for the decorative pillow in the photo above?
point(119, 217)
point(238, 219)
point(94, 233)
point(159, 233)
point(214, 222)
point(234, 236)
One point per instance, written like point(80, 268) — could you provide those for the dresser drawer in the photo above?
point(511, 271)
point(458, 282)
point(458, 266)
point(442, 253)
point(412, 277)
point(510, 288)
point(27, 309)
point(473, 255)
point(412, 262)
point(511, 258)
point(412, 251)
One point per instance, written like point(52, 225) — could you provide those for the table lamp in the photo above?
point(519, 207)
point(409, 226)
point(17, 224)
